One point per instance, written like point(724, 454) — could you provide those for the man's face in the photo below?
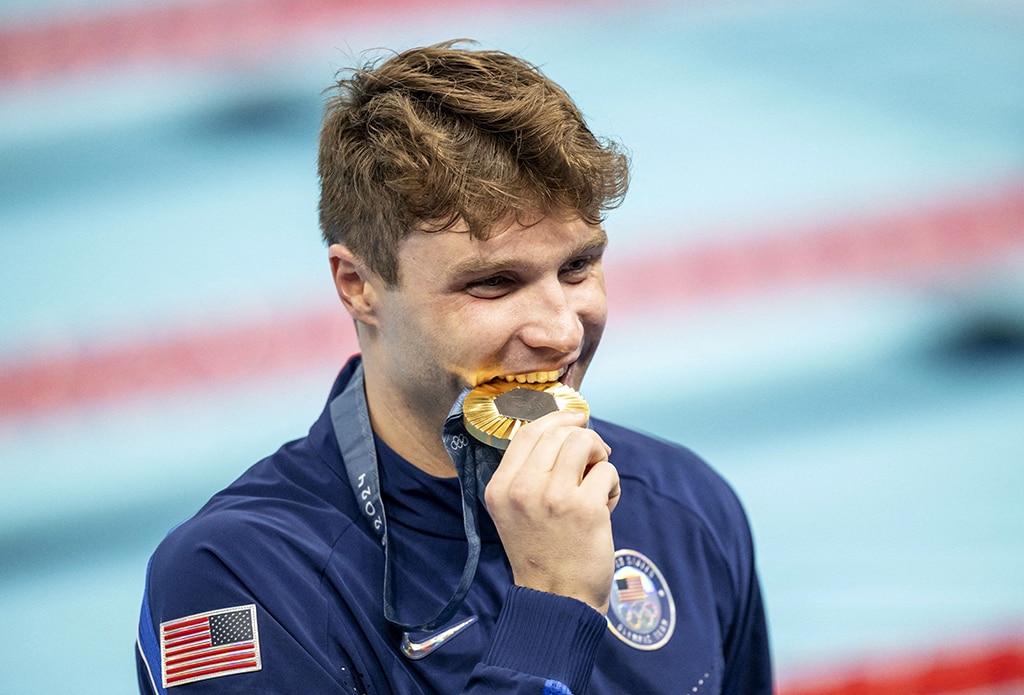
point(528, 302)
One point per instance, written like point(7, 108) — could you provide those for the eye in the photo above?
point(578, 269)
point(490, 287)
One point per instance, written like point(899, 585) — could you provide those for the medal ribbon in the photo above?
point(474, 462)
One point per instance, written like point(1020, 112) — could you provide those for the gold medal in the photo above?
point(494, 412)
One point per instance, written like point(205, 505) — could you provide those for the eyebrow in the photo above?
point(596, 242)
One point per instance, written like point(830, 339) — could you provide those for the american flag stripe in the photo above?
point(190, 636)
point(187, 641)
point(184, 649)
point(189, 677)
point(194, 634)
point(201, 665)
point(188, 630)
point(210, 663)
point(209, 645)
point(207, 654)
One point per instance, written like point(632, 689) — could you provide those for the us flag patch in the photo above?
point(630, 589)
point(209, 645)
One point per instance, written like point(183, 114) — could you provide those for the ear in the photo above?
point(356, 284)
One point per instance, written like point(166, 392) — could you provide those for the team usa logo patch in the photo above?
point(642, 613)
point(209, 645)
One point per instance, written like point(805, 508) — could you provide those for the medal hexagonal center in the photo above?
point(525, 404)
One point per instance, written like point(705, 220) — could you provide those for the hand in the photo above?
point(551, 499)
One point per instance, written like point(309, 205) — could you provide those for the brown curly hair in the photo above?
point(440, 135)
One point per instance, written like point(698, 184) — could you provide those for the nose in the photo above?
point(552, 319)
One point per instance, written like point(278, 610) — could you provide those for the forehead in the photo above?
point(455, 253)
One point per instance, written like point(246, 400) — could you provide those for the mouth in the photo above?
point(534, 377)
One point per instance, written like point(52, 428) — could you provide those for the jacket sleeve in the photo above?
point(543, 645)
point(748, 667)
point(188, 582)
point(746, 649)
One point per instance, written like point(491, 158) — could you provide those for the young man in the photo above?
point(388, 551)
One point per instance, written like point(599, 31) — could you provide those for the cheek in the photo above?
point(412, 335)
point(456, 334)
point(482, 327)
point(592, 306)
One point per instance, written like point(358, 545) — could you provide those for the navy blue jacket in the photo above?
point(286, 548)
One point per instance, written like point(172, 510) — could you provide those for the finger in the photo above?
point(522, 448)
point(602, 481)
point(561, 418)
point(518, 456)
point(579, 449)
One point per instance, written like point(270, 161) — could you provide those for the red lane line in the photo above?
point(967, 669)
point(901, 245)
point(898, 246)
point(105, 373)
point(190, 31)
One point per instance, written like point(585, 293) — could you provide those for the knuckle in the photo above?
point(551, 434)
point(579, 435)
point(521, 492)
point(609, 469)
point(491, 495)
point(584, 438)
point(555, 501)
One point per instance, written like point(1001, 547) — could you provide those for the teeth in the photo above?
point(535, 377)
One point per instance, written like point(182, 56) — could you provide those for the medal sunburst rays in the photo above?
point(495, 411)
